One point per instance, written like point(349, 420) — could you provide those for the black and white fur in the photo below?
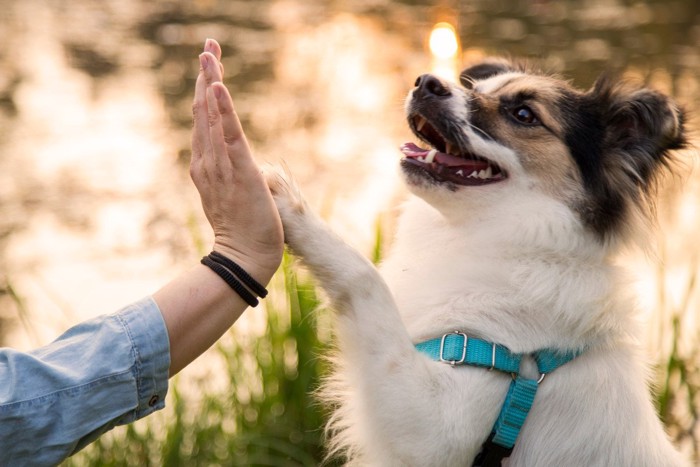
point(523, 259)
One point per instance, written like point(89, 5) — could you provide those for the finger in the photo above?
point(236, 143)
point(213, 47)
point(212, 70)
point(199, 111)
point(201, 142)
point(216, 133)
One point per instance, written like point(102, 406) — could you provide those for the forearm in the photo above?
point(198, 307)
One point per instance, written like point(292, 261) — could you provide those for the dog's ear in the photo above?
point(485, 69)
point(641, 126)
point(622, 139)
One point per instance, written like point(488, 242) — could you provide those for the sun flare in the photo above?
point(443, 41)
point(444, 47)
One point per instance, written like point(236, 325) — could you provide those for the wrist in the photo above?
point(260, 267)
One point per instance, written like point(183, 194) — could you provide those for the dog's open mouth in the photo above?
point(446, 162)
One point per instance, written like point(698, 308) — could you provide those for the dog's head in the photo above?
point(508, 133)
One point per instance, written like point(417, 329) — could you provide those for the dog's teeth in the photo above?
point(431, 155)
point(420, 123)
point(482, 174)
point(489, 172)
point(474, 175)
point(460, 173)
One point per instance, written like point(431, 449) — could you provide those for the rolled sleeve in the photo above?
point(149, 338)
point(104, 372)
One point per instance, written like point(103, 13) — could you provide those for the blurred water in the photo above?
point(96, 208)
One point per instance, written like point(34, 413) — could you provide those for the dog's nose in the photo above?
point(430, 84)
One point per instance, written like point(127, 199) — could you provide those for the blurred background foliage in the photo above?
point(96, 209)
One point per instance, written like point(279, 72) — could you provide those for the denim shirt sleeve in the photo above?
point(104, 372)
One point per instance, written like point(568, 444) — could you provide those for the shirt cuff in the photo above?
point(146, 329)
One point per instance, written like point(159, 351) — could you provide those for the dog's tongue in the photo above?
point(412, 151)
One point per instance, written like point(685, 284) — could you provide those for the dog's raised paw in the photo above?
point(284, 190)
point(290, 204)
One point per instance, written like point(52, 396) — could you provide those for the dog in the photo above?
point(522, 193)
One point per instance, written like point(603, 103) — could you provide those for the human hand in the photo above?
point(235, 197)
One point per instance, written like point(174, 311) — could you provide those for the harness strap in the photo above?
point(491, 454)
point(519, 399)
point(458, 349)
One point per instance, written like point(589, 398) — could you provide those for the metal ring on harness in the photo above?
point(539, 380)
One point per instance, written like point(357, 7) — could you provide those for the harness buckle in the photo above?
point(464, 349)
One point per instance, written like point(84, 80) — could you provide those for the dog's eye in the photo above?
point(525, 115)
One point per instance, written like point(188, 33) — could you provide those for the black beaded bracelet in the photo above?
point(249, 282)
point(226, 275)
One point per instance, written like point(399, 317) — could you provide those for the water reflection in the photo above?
point(95, 115)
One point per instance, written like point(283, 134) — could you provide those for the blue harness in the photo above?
point(458, 349)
